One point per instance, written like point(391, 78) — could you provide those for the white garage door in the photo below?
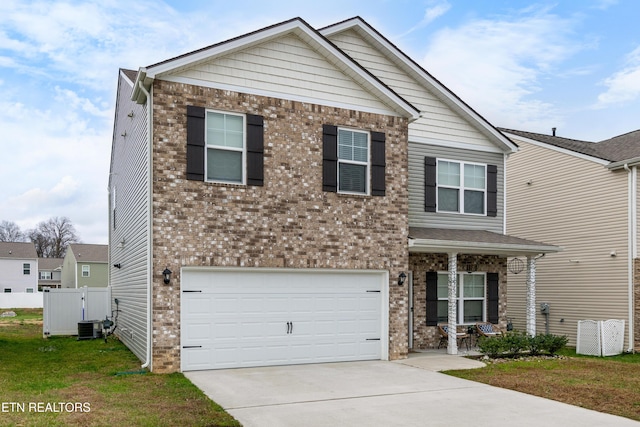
point(244, 318)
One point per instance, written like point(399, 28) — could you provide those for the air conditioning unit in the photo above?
point(89, 329)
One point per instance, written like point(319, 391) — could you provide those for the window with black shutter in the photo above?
point(225, 147)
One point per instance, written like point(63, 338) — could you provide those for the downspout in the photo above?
point(632, 245)
point(149, 223)
point(505, 157)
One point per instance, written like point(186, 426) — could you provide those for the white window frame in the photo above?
point(7, 290)
point(29, 290)
point(461, 188)
point(88, 270)
point(26, 269)
point(460, 299)
point(243, 150)
point(44, 274)
point(367, 164)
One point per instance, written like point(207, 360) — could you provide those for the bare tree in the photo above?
point(10, 232)
point(52, 237)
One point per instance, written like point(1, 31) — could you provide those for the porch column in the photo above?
point(452, 348)
point(531, 295)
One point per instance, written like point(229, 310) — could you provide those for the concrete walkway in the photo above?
point(401, 393)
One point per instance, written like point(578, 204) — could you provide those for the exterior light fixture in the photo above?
point(402, 278)
point(118, 265)
point(167, 275)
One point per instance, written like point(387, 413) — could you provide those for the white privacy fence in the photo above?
point(65, 308)
point(600, 338)
point(21, 300)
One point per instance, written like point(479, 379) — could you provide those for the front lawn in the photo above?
point(61, 381)
point(610, 384)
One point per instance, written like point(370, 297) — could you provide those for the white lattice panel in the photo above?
point(612, 333)
point(588, 342)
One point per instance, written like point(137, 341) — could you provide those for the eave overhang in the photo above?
point(475, 242)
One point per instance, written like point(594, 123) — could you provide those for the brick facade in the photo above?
point(425, 337)
point(290, 222)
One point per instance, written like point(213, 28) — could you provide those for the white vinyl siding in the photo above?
point(417, 215)
point(128, 243)
point(285, 66)
point(438, 121)
point(580, 206)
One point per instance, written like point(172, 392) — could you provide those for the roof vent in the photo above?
point(553, 131)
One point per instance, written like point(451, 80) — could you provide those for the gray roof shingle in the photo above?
point(18, 250)
point(90, 253)
point(616, 149)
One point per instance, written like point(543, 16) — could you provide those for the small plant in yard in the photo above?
point(513, 343)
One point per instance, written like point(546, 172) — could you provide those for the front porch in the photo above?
point(459, 278)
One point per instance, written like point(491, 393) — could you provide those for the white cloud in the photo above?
point(624, 85)
point(436, 9)
point(497, 65)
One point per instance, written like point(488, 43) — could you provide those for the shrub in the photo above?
point(554, 343)
point(492, 347)
point(513, 343)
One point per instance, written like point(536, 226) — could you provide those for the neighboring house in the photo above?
point(19, 267)
point(582, 196)
point(85, 265)
point(269, 195)
point(49, 272)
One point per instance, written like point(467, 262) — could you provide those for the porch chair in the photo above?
point(462, 337)
point(486, 329)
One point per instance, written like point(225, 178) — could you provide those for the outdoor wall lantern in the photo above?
point(167, 275)
point(118, 265)
point(402, 278)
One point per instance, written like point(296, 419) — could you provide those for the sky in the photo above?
point(527, 65)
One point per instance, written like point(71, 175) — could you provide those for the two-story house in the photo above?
point(49, 272)
point(19, 267)
point(584, 196)
point(296, 195)
point(85, 265)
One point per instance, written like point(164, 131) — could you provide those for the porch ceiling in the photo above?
point(439, 240)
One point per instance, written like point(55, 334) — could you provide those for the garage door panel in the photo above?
point(249, 318)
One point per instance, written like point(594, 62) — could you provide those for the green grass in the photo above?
point(94, 375)
point(605, 384)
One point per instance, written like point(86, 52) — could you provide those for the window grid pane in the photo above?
point(223, 165)
point(352, 178)
point(448, 173)
point(474, 176)
point(473, 202)
point(448, 199)
point(224, 130)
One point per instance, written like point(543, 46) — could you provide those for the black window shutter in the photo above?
point(492, 190)
point(492, 297)
point(255, 150)
point(429, 184)
point(330, 158)
point(195, 143)
point(432, 298)
point(378, 163)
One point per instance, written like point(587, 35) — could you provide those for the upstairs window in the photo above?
point(26, 268)
point(45, 275)
point(225, 143)
point(86, 270)
point(461, 187)
point(353, 161)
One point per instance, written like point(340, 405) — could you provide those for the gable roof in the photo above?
point(408, 65)
point(90, 253)
point(297, 26)
point(18, 250)
point(615, 151)
point(49, 263)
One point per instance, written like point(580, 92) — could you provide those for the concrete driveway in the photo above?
point(378, 393)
